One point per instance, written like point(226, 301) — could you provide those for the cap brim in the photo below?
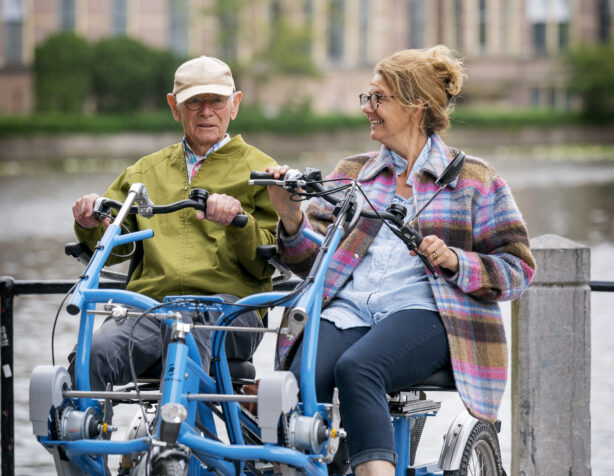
point(204, 89)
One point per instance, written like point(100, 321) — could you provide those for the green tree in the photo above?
point(165, 65)
point(130, 76)
point(62, 73)
point(123, 71)
point(592, 78)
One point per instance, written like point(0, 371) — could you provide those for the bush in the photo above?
point(62, 73)
point(128, 76)
point(592, 77)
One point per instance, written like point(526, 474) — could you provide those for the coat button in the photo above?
point(356, 256)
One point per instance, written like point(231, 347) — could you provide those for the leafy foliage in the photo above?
point(62, 73)
point(592, 78)
point(129, 76)
point(116, 74)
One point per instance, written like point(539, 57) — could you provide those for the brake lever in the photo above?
point(412, 239)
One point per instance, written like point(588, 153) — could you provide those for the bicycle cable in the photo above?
point(55, 320)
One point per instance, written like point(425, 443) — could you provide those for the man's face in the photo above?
point(204, 122)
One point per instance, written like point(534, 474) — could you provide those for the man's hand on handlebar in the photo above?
point(289, 211)
point(83, 210)
point(221, 209)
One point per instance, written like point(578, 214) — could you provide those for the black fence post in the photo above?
point(7, 404)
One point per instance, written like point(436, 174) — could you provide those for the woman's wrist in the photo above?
point(292, 224)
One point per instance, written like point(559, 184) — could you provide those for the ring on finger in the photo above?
point(435, 255)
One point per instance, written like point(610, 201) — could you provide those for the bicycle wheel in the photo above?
point(169, 467)
point(481, 455)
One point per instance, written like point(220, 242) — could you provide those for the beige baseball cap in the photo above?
point(202, 75)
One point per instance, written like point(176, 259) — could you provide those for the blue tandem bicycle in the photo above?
point(174, 430)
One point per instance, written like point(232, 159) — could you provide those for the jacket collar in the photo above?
point(439, 157)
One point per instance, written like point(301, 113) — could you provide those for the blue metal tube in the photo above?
point(119, 296)
point(99, 447)
point(111, 238)
point(402, 426)
point(311, 301)
point(82, 356)
point(263, 452)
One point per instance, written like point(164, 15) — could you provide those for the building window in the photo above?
point(336, 29)
point(12, 19)
point(179, 26)
point(563, 35)
point(229, 26)
point(417, 20)
point(13, 45)
point(363, 32)
point(275, 11)
point(561, 17)
point(553, 98)
point(458, 25)
point(505, 18)
point(535, 97)
point(308, 14)
point(482, 25)
point(67, 15)
point(118, 17)
point(604, 17)
point(539, 38)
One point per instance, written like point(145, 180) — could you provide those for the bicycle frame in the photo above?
point(184, 382)
point(183, 376)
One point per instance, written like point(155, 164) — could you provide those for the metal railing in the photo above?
point(9, 288)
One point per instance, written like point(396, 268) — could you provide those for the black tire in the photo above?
point(170, 467)
point(481, 455)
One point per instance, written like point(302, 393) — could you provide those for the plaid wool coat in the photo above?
point(477, 217)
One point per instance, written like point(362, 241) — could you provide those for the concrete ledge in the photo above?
point(560, 261)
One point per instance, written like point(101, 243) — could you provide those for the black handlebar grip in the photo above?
point(239, 220)
point(255, 175)
point(418, 237)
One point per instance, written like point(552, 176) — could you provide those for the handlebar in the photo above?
point(198, 200)
point(311, 183)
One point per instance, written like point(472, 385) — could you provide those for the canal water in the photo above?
point(573, 198)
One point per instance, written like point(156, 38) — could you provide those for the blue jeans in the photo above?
point(366, 364)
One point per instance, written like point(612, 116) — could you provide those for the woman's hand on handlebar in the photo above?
point(83, 212)
point(221, 209)
point(289, 211)
point(438, 253)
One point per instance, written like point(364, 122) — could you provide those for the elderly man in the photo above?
point(191, 252)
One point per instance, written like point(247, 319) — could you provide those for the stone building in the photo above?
point(511, 48)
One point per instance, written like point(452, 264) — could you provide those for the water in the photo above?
point(574, 199)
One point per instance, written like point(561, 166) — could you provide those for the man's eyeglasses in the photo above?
point(195, 103)
point(373, 99)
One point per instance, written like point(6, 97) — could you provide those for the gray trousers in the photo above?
point(110, 343)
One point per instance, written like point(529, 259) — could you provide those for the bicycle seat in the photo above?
point(239, 369)
point(440, 381)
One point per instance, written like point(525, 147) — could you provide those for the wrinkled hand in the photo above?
point(221, 209)
point(438, 253)
point(83, 211)
point(289, 211)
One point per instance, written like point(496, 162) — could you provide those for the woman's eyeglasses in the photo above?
point(373, 99)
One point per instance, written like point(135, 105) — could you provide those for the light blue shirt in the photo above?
point(388, 279)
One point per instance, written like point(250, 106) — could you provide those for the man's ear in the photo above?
point(237, 96)
point(172, 103)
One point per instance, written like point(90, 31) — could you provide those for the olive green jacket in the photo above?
point(188, 256)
